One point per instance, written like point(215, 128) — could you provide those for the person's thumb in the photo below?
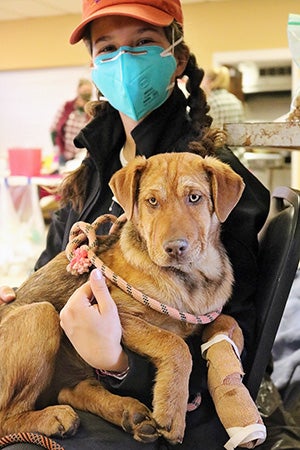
point(100, 291)
point(7, 294)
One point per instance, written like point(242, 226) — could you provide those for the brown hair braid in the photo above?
point(206, 138)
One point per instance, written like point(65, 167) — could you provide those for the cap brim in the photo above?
point(145, 13)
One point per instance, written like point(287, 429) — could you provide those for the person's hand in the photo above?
point(95, 329)
point(7, 294)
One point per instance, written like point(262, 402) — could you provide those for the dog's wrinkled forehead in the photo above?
point(172, 162)
point(176, 180)
point(171, 169)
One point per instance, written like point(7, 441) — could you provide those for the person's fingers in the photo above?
point(79, 300)
point(7, 294)
point(101, 292)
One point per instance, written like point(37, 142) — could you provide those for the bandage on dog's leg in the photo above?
point(236, 410)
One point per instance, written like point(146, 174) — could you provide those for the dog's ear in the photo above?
point(124, 184)
point(227, 186)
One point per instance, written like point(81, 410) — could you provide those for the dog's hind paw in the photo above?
point(142, 426)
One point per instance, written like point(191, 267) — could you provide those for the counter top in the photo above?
point(41, 180)
point(285, 135)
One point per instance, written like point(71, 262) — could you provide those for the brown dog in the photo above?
point(171, 250)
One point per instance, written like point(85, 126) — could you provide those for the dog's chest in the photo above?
point(192, 293)
point(167, 297)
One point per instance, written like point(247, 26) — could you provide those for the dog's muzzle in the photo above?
point(176, 248)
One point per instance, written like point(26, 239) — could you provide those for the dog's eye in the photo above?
point(152, 201)
point(194, 198)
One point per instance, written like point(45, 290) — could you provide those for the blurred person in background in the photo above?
point(69, 121)
point(225, 107)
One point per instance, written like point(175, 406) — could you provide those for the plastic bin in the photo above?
point(25, 161)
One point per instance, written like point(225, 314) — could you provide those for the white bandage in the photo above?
point(255, 433)
point(218, 338)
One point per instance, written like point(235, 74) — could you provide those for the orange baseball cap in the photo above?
point(157, 12)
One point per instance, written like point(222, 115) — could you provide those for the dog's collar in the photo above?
point(82, 257)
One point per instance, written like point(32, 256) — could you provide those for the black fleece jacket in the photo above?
point(167, 129)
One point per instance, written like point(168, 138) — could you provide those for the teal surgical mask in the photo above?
point(135, 80)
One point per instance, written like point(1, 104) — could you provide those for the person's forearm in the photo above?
point(116, 361)
point(121, 364)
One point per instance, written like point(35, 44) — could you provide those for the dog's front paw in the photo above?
point(59, 421)
point(171, 427)
point(141, 425)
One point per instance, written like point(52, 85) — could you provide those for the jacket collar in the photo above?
point(104, 136)
point(159, 131)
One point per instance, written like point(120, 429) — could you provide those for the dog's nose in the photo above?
point(176, 247)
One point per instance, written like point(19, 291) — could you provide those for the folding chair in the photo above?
point(279, 254)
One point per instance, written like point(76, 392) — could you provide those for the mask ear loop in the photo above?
point(173, 39)
point(170, 50)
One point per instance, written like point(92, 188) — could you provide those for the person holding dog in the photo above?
point(128, 41)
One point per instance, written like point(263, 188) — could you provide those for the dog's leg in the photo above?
point(126, 412)
point(29, 340)
point(223, 343)
point(171, 356)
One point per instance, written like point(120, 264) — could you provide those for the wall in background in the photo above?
point(209, 27)
point(29, 100)
point(39, 43)
point(237, 25)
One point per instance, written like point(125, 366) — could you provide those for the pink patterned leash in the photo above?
point(33, 438)
point(82, 257)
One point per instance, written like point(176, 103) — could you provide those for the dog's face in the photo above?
point(176, 201)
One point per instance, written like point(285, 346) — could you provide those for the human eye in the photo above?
point(108, 49)
point(145, 41)
point(104, 49)
point(149, 36)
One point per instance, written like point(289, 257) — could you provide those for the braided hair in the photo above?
point(206, 138)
